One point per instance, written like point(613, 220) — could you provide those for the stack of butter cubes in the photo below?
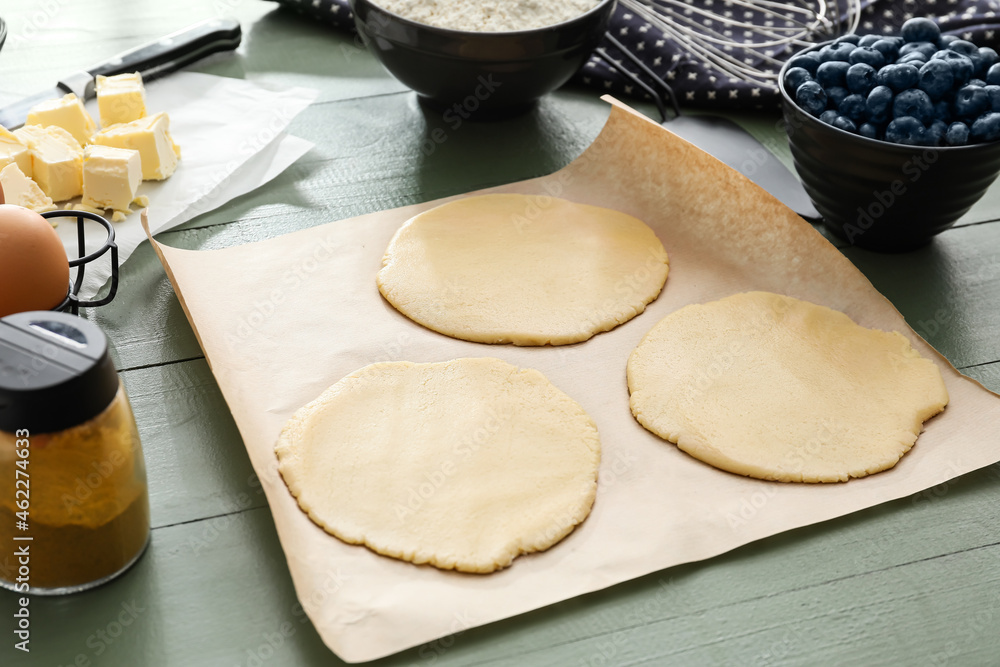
point(60, 154)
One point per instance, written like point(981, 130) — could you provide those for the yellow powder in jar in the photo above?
point(88, 513)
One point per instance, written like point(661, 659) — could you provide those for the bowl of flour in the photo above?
point(482, 59)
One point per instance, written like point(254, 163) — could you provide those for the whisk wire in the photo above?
point(658, 98)
point(793, 23)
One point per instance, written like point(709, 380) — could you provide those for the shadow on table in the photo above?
point(946, 290)
point(458, 152)
point(305, 53)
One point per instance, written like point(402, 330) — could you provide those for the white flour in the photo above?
point(488, 15)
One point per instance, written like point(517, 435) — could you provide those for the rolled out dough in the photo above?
point(462, 464)
point(528, 270)
point(776, 388)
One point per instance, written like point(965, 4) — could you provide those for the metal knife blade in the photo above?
point(153, 60)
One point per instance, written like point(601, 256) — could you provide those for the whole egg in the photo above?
point(34, 269)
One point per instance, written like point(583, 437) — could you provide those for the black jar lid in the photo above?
point(55, 372)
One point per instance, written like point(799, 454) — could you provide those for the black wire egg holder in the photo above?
point(72, 302)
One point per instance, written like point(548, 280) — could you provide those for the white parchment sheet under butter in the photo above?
point(232, 138)
point(309, 313)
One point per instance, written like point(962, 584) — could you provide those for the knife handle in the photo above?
point(174, 51)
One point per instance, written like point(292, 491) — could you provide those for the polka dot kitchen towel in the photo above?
point(698, 84)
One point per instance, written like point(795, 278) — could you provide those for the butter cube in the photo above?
point(121, 98)
point(67, 113)
point(56, 160)
point(20, 190)
point(110, 177)
point(13, 151)
point(151, 137)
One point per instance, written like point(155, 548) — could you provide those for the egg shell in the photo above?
point(34, 268)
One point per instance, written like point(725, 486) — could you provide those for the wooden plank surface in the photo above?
point(915, 581)
point(895, 584)
point(49, 40)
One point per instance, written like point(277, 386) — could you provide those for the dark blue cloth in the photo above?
point(698, 85)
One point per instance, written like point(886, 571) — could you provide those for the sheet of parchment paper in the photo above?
point(283, 319)
point(232, 138)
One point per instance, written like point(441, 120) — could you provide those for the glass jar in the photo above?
point(74, 505)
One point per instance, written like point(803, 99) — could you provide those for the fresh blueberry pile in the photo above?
point(921, 88)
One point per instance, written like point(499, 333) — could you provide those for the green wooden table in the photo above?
point(915, 581)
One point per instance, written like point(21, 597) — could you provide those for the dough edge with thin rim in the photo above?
point(855, 399)
point(448, 509)
point(523, 269)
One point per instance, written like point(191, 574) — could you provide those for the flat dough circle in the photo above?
point(776, 388)
point(462, 464)
point(528, 270)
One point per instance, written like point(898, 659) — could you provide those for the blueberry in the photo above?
point(920, 30)
point(881, 119)
point(846, 124)
point(868, 56)
point(936, 78)
point(906, 130)
point(807, 61)
point(842, 51)
point(851, 39)
point(979, 83)
point(994, 93)
point(915, 103)
point(868, 40)
point(947, 40)
point(868, 130)
point(853, 107)
point(879, 102)
point(993, 75)
point(888, 48)
point(935, 132)
point(971, 102)
point(832, 73)
point(961, 66)
point(915, 59)
point(987, 59)
point(796, 76)
point(986, 128)
point(957, 134)
point(829, 116)
point(942, 110)
point(965, 48)
point(926, 48)
point(898, 77)
point(977, 62)
point(860, 78)
point(835, 52)
point(836, 95)
point(811, 97)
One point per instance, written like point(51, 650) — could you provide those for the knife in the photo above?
point(153, 60)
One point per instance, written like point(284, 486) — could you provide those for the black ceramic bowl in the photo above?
point(487, 74)
point(879, 195)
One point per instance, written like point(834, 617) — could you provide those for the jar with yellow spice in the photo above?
point(74, 506)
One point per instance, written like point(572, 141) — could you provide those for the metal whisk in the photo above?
point(748, 40)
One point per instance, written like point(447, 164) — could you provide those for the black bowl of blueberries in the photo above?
point(896, 137)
